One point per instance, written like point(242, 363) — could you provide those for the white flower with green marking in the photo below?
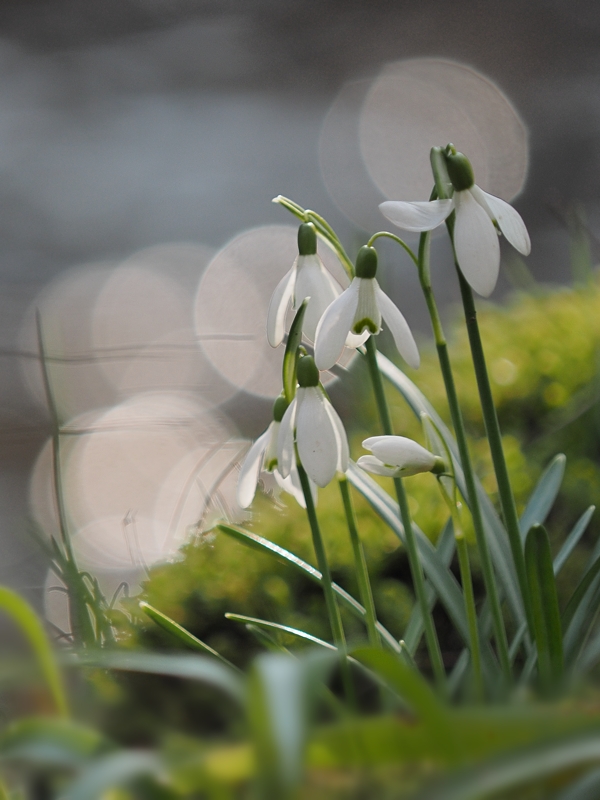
point(398, 457)
point(312, 425)
point(480, 217)
point(307, 278)
point(358, 312)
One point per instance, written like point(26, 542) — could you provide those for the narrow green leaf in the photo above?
point(28, 621)
point(192, 667)
point(582, 611)
point(290, 359)
point(180, 633)
point(263, 545)
point(545, 611)
point(495, 532)
point(414, 691)
point(572, 539)
point(50, 741)
point(441, 578)
point(263, 623)
point(544, 495)
point(586, 788)
point(516, 768)
point(111, 772)
point(580, 592)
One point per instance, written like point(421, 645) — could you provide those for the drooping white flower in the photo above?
point(307, 278)
point(313, 425)
point(358, 311)
point(479, 218)
point(262, 458)
point(398, 457)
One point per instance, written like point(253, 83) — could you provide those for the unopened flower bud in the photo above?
point(279, 408)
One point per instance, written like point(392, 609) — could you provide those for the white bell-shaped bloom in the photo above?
point(313, 425)
point(398, 457)
point(359, 311)
point(261, 460)
point(307, 278)
point(479, 218)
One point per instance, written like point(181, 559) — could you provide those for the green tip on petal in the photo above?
point(307, 372)
point(460, 171)
point(366, 262)
point(307, 239)
point(279, 408)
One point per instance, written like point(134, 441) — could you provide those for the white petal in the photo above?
point(341, 438)
point(374, 465)
point(315, 282)
point(315, 436)
point(476, 244)
point(334, 327)
point(399, 329)
point(417, 216)
point(250, 470)
point(291, 485)
point(355, 340)
point(367, 309)
point(285, 442)
point(401, 452)
point(278, 307)
point(508, 219)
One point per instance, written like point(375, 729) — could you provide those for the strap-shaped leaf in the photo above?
point(495, 532)
point(263, 545)
point(544, 495)
point(441, 578)
point(572, 539)
point(290, 358)
point(581, 612)
point(51, 741)
point(544, 604)
point(112, 772)
point(263, 623)
point(180, 633)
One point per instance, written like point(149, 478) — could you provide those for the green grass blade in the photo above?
point(545, 611)
point(582, 610)
point(495, 532)
point(180, 633)
point(50, 741)
point(572, 539)
point(516, 768)
point(29, 623)
point(263, 545)
point(544, 495)
point(440, 577)
point(586, 788)
point(111, 772)
point(263, 623)
point(580, 592)
point(187, 666)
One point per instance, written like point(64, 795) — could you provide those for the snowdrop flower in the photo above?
point(262, 457)
point(307, 278)
point(478, 216)
point(398, 457)
point(360, 310)
point(319, 434)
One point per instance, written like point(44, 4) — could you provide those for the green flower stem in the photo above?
point(362, 574)
point(465, 458)
point(397, 239)
point(467, 585)
point(492, 428)
point(333, 611)
point(416, 568)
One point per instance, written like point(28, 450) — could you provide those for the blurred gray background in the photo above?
point(131, 123)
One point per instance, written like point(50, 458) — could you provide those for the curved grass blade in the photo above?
point(180, 633)
point(111, 772)
point(263, 545)
point(51, 741)
point(581, 612)
point(572, 539)
point(263, 623)
point(443, 581)
point(27, 620)
point(586, 788)
point(191, 667)
point(512, 770)
point(495, 532)
point(545, 612)
point(544, 495)
point(290, 359)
